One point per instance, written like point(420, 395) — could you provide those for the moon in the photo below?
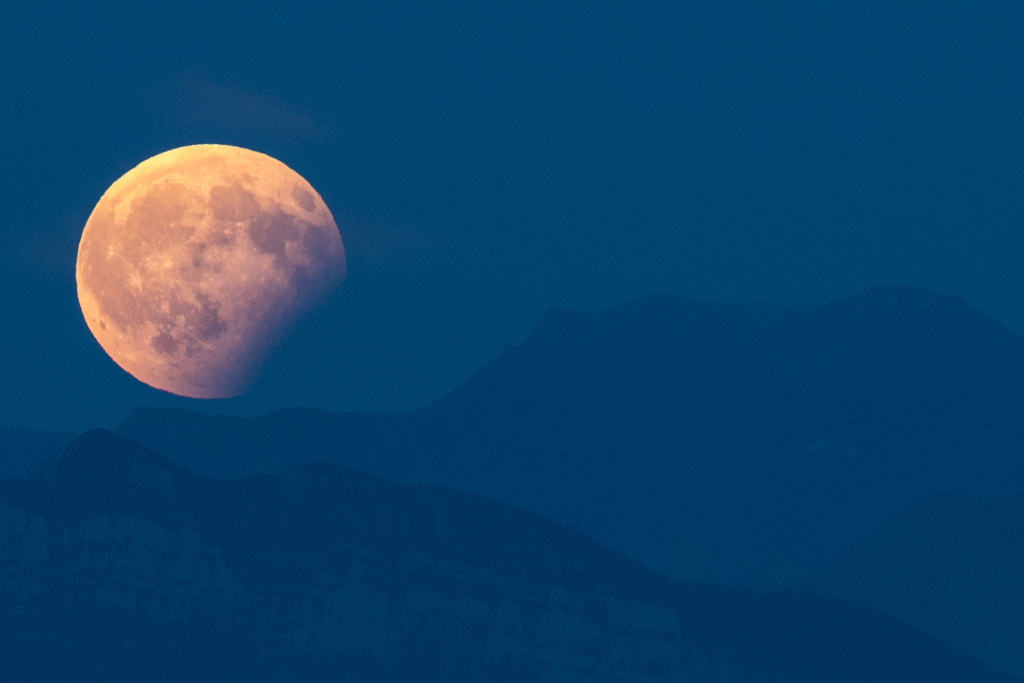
point(196, 262)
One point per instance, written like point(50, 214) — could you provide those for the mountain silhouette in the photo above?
point(22, 450)
point(951, 565)
point(735, 443)
point(117, 565)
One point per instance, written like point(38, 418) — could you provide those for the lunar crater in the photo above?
point(303, 198)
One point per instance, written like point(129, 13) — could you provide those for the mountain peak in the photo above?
point(100, 464)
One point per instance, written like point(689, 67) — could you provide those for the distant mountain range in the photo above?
point(732, 443)
point(116, 565)
point(950, 565)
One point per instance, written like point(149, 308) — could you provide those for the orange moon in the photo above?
point(196, 262)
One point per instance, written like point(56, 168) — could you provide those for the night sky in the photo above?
point(487, 161)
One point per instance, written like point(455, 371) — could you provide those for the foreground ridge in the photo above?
point(117, 564)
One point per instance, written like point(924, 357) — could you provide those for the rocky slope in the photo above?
point(950, 565)
point(117, 565)
point(735, 443)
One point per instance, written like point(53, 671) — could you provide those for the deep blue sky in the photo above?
point(486, 161)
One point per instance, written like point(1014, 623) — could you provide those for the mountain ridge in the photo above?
point(789, 431)
point(949, 564)
point(117, 564)
point(22, 450)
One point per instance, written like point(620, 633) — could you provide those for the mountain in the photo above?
point(951, 565)
point(733, 443)
point(117, 565)
point(22, 450)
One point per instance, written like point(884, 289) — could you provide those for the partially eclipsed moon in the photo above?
point(195, 263)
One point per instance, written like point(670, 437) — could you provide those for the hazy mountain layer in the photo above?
point(736, 443)
point(22, 450)
point(117, 565)
point(950, 565)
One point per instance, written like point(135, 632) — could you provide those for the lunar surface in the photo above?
point(195, 263)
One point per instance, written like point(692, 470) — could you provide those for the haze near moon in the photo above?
point(195, 263)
